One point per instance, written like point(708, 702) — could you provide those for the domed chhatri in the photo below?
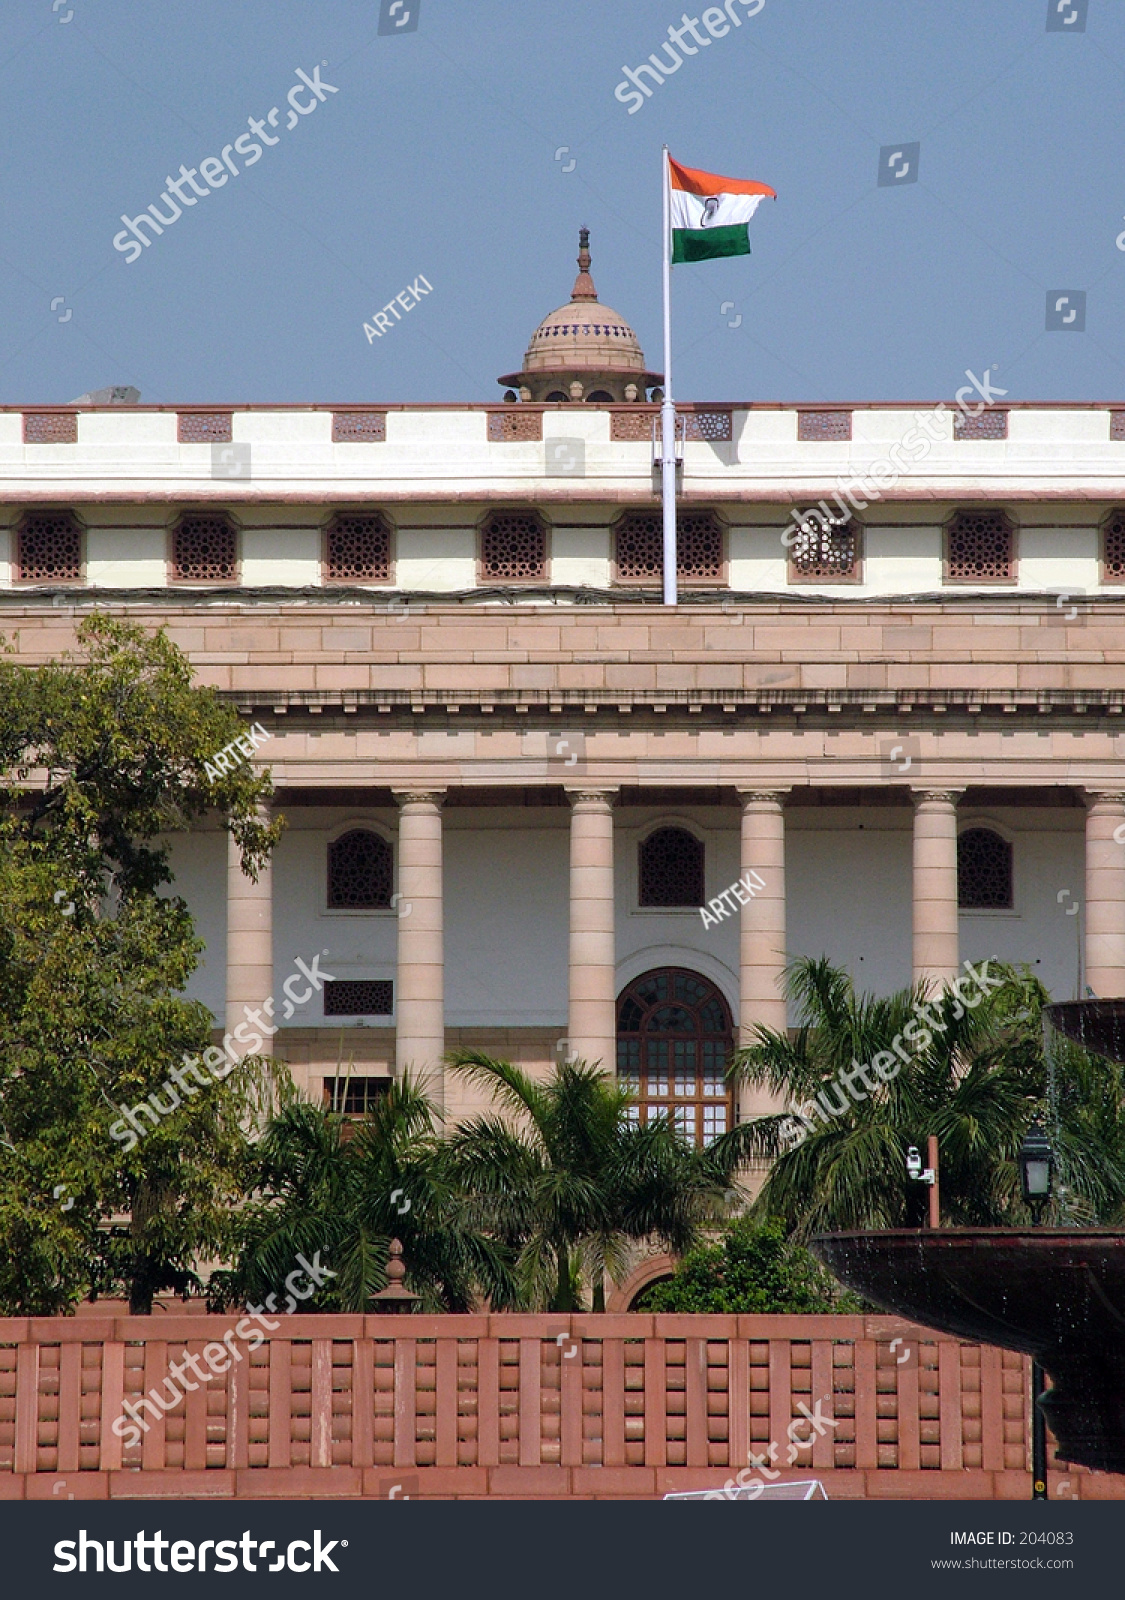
point(583, 351)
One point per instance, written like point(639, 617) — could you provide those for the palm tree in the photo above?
point(976, 1077)
point(346, 1189)
point(565, 1177)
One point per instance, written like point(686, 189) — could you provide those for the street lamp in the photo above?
point(1037, 1165)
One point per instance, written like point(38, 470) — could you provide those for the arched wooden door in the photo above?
point(674, 1040)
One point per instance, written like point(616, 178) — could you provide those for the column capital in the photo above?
point(1103, 797)
point(419, 797)
point(596, 797)
point(946, 797)
point(762, 797)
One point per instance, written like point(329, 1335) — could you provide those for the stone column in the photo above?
point(249, 935)
point(592, 1015)
point(936, 956)
point(1105, 895)
point(761, 966)
point(420, 977)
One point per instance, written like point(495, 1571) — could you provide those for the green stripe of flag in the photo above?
point(707, 244)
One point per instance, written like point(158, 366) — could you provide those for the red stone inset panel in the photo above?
point(991, 424)
point(515, 426)
point(513, 545)
point(821, 426)
point(204, 427)
point(204, 549)
point(49, 548)
point(359, 427)
point(50, 427)
point(358, 548)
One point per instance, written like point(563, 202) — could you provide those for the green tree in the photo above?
point(975, 1076)
point(324, 1183)
point(102, 758)
point(752, 1267)
point(566, 1178)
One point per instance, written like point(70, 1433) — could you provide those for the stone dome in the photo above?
point(583, 351)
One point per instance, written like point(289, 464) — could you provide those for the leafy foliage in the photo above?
point(102, 757)
point(976, 1078)
point(567, 1180)
point(346, 1189)
point(752, 1268)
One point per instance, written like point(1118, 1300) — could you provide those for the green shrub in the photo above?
point(753, 1267)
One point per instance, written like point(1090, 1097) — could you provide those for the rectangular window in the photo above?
point(826, 552)
point(979, 548)
point(355, 1097)
point(49, 548)
point(204, 549)
point(358, 549)
point(513, 548)
point(359, 998)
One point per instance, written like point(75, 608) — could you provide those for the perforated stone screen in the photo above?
point(671, 869)
point(359, 427)
point(640, 545)
point(515, 426)
point(984, 871)
point(1117, 424)
point(715, 427)
point(358, 548)
point(513, 545)
point(204, 427)
point(359, 997)
point(1113, 548)
point(50, 427)
point(979, 547)
point(988, 425)
point(49, 548)
point(825, 553)
point(204, 549)
point(360, 872)
point(822, 426)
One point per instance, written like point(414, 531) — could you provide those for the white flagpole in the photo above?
point(668, 409)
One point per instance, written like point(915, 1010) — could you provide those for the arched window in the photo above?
point(674, 1039)
point(600, 397)
point(671, 869)
point(984, 871)
point(360, 872)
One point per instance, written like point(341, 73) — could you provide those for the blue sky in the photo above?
point(439, 155)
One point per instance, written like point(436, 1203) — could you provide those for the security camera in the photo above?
point(913, 1162)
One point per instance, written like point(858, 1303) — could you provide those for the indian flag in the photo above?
point(710, 214)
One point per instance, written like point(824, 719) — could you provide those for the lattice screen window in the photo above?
point(671, 869)
point(1113, 547)
point(1117, 424)
point(355, 1097)
point(358, 548)
point(359, 427)
point(640, 546)
point(712, 427)
point(50, 427)
point(515, 426)
point(513, 544)
point(825, 552)
point(360, 872)
point(203, 427)
point(822, 426)
point(49, 548)
point(204, 549)
point(979, 548)
point(359, 997)
point(984, 871)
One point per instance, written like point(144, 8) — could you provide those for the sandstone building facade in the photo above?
point(512, 778)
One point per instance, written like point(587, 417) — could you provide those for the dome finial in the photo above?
point(583, 284)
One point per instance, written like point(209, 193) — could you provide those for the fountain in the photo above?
point(1056, 1294)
